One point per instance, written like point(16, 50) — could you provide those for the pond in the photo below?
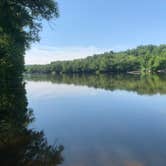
point(117, 120)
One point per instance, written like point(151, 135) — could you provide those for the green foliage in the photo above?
point(20, 23)
point(22, 19)
point(142, 59)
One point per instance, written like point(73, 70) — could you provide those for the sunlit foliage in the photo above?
point(142, 59)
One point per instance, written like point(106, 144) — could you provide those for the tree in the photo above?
point(20, 23)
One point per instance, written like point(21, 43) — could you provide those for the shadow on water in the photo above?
point(149, 84)
point(20, 145)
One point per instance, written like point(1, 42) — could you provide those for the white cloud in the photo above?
point(47, 54)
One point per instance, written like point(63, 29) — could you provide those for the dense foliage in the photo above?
point(20, 23)
point(148, 58)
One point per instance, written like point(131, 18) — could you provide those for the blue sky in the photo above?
point(86, 27)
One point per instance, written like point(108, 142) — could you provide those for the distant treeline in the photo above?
point(148, 58)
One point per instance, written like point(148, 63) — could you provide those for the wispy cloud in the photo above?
point(46, 54)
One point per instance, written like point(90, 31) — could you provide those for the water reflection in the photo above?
point(149, 84)
point(20, 145)
point(103, 127)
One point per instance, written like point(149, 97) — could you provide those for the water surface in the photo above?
point(102, 120)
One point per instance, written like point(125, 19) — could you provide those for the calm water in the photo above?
point(102, 120)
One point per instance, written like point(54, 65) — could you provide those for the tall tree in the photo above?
point(20, 23)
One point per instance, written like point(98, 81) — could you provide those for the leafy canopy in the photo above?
point(20, 23)
point(22, 19)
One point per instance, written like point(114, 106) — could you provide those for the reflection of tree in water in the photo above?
point(18, 144)
point(147, 84)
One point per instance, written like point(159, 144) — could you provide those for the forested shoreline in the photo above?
point(20, 24)
point(149, 58)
